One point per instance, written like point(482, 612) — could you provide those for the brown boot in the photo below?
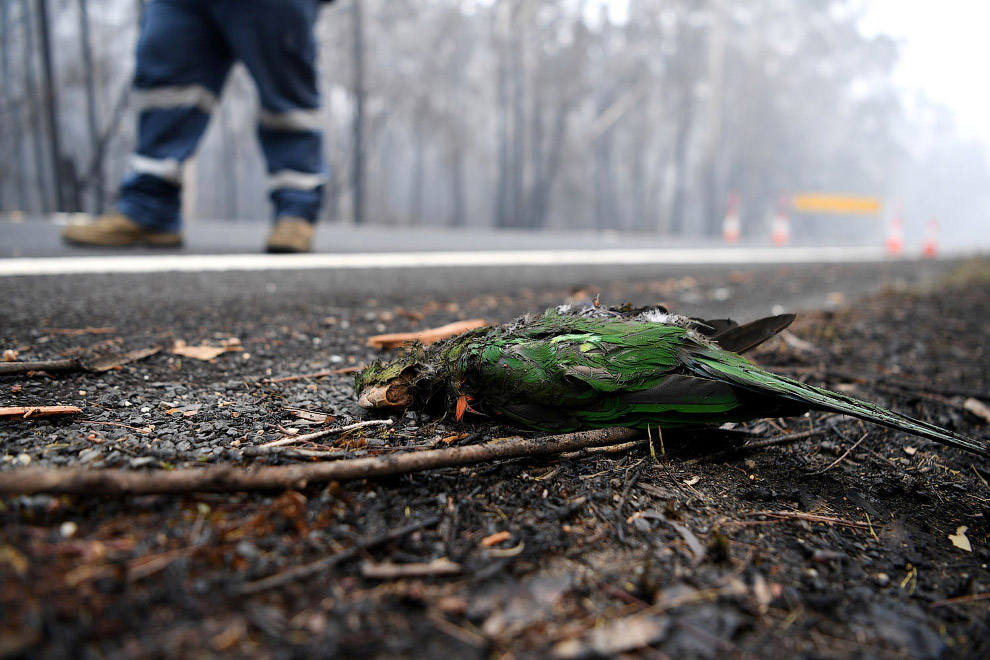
point(117, 229)
point(290, 234)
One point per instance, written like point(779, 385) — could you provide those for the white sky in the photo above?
point(945, 52)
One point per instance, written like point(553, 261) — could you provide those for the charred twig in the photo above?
point(227, 478)
point(51, 366)
point(810, 517)
point(274, 445)
point(97, 364)
point(959, 600)
point(300, 454)
point(625, 496)
point(844, 454)
point(391, 570)
point(320, 565)
point(318, 374)
point(137, 429)
point(606, 449)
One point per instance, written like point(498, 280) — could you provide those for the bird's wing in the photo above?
point(594, 374)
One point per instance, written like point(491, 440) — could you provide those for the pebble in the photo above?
point(246, 549)
point(143, 461)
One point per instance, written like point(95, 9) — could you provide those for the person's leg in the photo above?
point(275, 40)
point(182, 62)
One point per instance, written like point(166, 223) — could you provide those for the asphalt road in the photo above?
point(75, 287)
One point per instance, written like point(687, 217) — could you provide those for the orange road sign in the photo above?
point(827, 203)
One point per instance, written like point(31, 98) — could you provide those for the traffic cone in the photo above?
point(780, 230)
point(731, 228)
point(895, 234)
point(929, 247)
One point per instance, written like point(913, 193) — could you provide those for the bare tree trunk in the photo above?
point(7, 106)
point(711, 196)
point(517, 160)
point(357, 170)
point(86, 41)
point(455, 101)
point(31, 102)
point(457, 211)
point(59, 168)
point(685, 121)
point(639, 153)
point(503, 210)
point(532, 218)
point(605, 206)
point(417, 176)
point(543, 186)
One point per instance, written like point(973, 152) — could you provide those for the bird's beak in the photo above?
point(395, 395)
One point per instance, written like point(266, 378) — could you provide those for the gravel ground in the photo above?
point(777, 552)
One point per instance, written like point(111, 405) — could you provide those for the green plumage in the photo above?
point(569, 370)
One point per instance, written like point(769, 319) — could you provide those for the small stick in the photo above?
point(844, 454)
point(75, 332)
point(143, 431)
point(295, 452)
point(320, 565)
point(958, 600)
point(308, 437)
point(228, 478)
point(98, 364)
point(606, 449)
point(318, 374)
point(280, 446)
point(27, 412)
point(396, 339)
point(810, 517)
point(52, 366)
point(281, 442)
point(391, 570)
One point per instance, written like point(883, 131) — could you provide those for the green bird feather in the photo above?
point(588, 367)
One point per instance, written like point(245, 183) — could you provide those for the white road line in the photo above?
point(264, 262)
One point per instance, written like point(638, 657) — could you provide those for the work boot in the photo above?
point(290, 235)
point(116, 229)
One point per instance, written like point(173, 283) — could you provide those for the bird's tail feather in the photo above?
point(745, 374)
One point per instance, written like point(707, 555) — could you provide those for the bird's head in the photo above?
point(389, 385)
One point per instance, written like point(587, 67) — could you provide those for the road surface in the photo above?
point(220, 273)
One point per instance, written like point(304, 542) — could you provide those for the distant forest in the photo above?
point(523, 114)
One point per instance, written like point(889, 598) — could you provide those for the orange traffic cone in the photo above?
point(780, 230)
point(895, 234)
point(731, 228)
point(929, 247)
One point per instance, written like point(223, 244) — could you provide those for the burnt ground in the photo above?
point(836, 545)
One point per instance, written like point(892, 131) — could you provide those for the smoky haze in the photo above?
point(523, 114)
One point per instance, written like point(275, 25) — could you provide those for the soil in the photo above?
point(856, 541)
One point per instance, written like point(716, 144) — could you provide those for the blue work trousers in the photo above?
point(185, 51)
